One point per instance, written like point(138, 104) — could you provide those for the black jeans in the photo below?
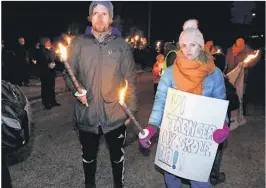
point(115, 141)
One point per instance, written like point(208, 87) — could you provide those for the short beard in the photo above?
point(105, 29)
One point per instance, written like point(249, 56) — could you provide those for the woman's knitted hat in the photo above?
point(191, 33)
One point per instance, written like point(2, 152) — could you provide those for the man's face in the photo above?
point(100, 19)
point(21, 41)
point(48, 44)
point(190, 50)
point(240, 43)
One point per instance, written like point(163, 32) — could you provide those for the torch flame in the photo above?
point(68, 39)
point(136, 37)
point(251, 56)
point(122, 93)
point(63, 51)
point(219, 51)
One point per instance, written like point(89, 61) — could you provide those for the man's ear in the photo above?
point(89, 18)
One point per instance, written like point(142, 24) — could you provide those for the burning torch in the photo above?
point(236, 72)
point(63, 53)
point(251, 56)
point(143, 132)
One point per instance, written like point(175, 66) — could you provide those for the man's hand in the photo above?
point(245, 65)
point(127, 121)
point(242, 64)
point(82, 97)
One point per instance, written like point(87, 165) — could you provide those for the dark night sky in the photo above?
point(35, 19)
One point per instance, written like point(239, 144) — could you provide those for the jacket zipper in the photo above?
point(99, 84)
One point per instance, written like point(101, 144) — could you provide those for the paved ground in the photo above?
point(55, 159)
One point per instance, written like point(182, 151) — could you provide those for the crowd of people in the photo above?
point(21, 64)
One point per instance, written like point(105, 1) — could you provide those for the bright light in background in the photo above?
point(253, 14)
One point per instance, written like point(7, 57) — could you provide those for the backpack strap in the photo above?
point(165, 60)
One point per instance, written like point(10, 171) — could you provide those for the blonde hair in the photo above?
point(204, 56)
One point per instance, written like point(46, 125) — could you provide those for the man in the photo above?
point(22, 58)
point(102, 61)
point(235, 57)
point(46, 64)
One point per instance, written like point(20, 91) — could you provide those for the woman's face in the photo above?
point(190, 50)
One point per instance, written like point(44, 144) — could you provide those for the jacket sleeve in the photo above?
point(228, 65)
point(160, 98)
point(128, 69)
point(219, 90)
point(73, 58)
point(219, 86)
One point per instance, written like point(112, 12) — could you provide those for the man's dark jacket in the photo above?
point(102, 68)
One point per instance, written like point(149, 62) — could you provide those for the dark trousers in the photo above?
point(218, 158)
point(155, 85)
point(6, 180)
point(24, 75)
point(217, 161)
point(245, 103)
point(48, 89)
point(115, 141)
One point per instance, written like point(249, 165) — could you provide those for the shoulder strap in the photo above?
point(165, 60)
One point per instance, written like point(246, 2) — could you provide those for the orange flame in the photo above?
point(251, 56)
point(63, 51)
point(123, 93)
point(68, 39)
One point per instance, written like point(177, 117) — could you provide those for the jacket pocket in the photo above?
point(114, 112)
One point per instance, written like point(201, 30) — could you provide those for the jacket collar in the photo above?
point(114, 31)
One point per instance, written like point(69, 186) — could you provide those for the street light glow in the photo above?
point(253, 14)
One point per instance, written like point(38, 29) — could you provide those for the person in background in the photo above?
point(234, 58)
point(22, 61)
point(157, 71)
point(46, 65)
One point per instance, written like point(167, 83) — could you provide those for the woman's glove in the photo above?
point(145, 139)
point(219, 135)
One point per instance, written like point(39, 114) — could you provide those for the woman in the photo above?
point(194, 72)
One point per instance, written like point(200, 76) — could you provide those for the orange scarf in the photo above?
point(188, 74)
